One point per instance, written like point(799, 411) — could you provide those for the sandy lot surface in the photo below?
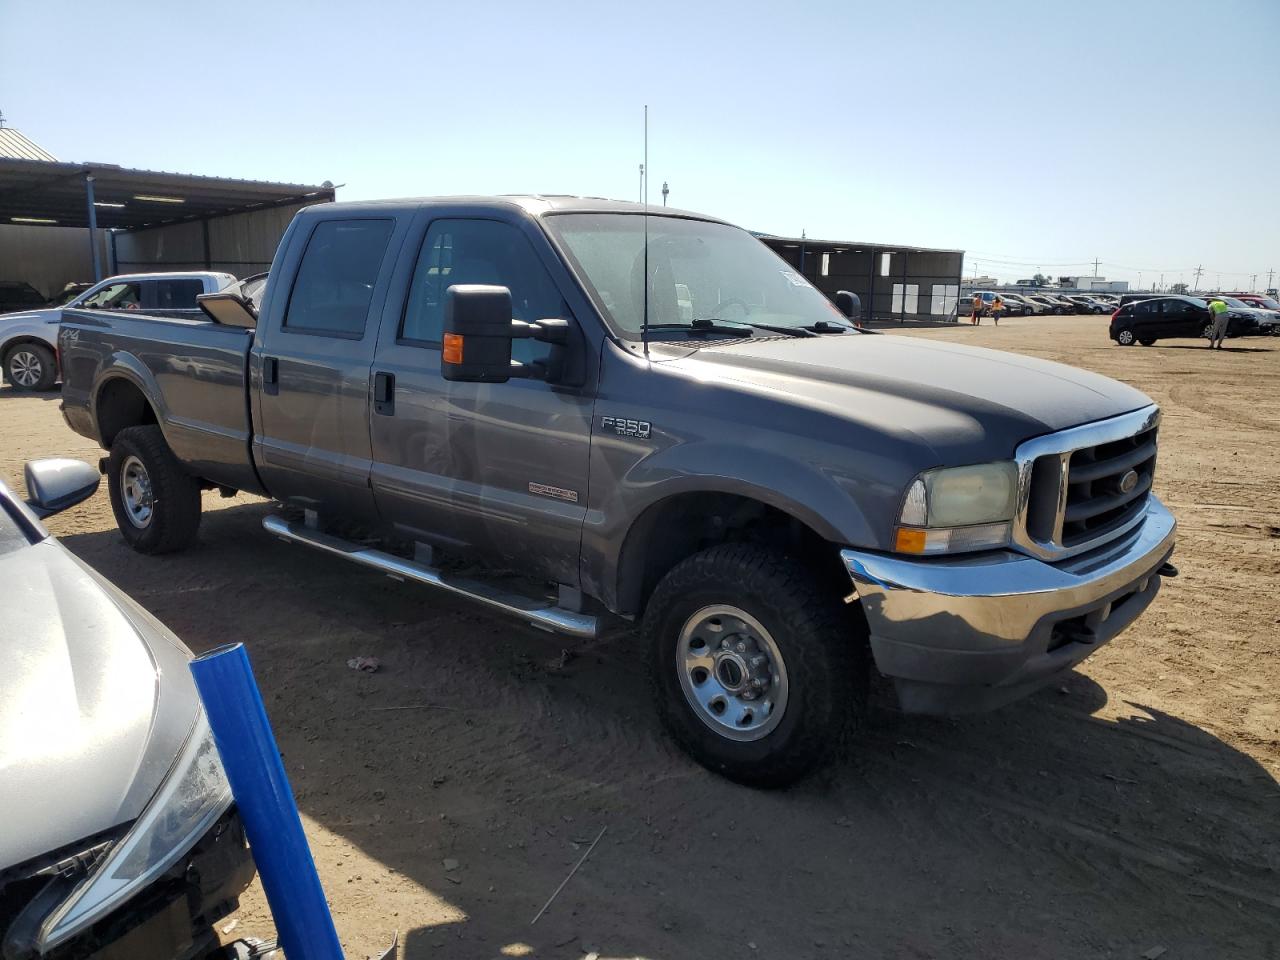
point(1132, 808)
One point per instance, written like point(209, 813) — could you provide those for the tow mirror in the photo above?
point(56, 484)
point(228, 309)
point(849, 304)
point(478, 331)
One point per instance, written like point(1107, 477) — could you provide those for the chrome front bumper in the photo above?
point(971, 632)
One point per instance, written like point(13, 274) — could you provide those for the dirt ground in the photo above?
point(1133, 808)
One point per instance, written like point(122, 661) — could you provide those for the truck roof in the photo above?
point(170, 274)
point(535, 204)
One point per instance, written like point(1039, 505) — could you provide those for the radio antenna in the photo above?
point(644, 199)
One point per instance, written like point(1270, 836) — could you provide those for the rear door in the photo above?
point(312, 365)
point(1144, 319)
point(498, 469)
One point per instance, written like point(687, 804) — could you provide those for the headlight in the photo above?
point(191, 798)
point(953, 509)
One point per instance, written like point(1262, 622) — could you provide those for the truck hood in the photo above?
point(95, 702)
point(966, 403)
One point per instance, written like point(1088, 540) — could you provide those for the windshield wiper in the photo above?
point(709, 323)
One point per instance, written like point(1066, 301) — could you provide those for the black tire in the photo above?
point(1147, 341)
point(30, 367)
point(1125, 337)
point(822, 644)
point(172, 495)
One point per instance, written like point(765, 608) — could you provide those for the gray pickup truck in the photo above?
point(647, 415)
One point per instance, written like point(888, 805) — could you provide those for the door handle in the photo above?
point(270, 375)
point(384, 394)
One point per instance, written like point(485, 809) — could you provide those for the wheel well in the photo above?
point(680, 526)
point(121, 404)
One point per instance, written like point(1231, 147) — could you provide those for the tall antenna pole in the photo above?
point(1198, 271)
point(1270, 274)
point(644, 198)
point(1095, 266)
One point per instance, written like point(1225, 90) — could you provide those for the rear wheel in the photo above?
point(1125, 337)
point(758, 673)
point(30, 366)
point(1147, 341)
point(155, 501)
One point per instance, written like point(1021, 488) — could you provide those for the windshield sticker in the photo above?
point(793, 278)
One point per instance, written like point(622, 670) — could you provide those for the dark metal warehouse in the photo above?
point(895, 283)
point(61, 222)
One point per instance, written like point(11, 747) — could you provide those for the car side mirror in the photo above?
point(56, 484)
point(849, 304)
point(478, 330)
point(228, 309)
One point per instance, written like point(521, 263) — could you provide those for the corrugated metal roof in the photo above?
point(14, 144)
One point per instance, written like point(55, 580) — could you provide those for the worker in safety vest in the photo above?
point(1221, 320)
point(996, 309)
point(978, 307)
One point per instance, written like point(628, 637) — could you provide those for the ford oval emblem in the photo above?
point(1129, 481)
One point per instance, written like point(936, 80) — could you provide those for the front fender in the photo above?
point(839, 507)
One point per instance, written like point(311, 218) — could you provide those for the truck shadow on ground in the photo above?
point(478, 763)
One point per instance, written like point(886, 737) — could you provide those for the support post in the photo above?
point(208, 261)
point(264, 798)
point(93, 228)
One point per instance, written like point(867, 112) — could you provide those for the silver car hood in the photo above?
point(95, 702)
point(44, 315)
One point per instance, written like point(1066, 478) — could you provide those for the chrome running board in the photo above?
point(538, 613)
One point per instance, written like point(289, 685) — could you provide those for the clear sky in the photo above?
point(1146, 134)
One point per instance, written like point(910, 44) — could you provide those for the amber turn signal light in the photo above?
point(906, 540)
point(452, 352)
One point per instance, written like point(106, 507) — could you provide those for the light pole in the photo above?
point(642, 183)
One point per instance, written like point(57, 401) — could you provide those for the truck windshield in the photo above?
point(698, 271)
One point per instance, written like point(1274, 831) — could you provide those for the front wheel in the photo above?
point(156, 502)
point(30, 366)
point(1125, 338)
point(759, 674)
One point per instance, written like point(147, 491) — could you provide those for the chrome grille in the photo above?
point(1083, 487)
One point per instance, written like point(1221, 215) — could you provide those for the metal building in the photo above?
point(895, 283)
point(62, 222)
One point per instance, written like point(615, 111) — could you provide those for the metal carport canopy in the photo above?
point(61, 194)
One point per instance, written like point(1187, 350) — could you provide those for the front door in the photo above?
point(312, 440)
point(1182, 318)
point(500, 468)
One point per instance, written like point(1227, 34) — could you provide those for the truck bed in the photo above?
point(192, 372)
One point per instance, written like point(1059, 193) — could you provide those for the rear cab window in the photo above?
point(335, 280)
point(178, 294)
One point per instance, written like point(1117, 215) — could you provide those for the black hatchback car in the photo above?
point(1164, 318)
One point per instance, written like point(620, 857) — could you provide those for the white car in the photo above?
point(29, 338)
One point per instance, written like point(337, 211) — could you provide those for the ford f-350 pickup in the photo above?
point(655, 417)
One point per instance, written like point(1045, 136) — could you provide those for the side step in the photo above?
point(536, 612)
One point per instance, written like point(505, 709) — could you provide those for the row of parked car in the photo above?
point(1030, 304)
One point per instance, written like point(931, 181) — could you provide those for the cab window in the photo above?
point(478, 251)
point(335, 281)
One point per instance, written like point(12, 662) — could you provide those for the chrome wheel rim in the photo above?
point(136, 493)
point(732, 673)
point(25, 368)
point(1126, 337)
